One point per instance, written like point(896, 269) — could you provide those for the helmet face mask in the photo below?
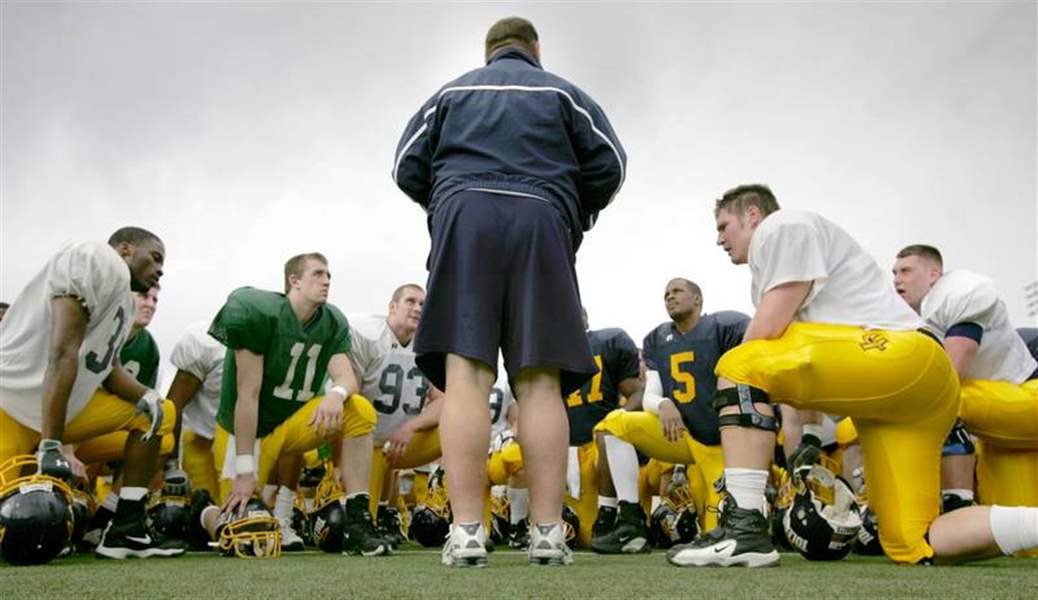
point(36, 516)
point(823, 520)
point(257, 535)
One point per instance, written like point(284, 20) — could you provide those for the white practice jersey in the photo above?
point(201, 355)
point(386, 368)
point(849, 287)
point(962, 296)
point(98, 277)
point(500, 401)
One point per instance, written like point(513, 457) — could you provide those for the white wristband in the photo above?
point(339, 390)
point(244, 463)
point(651, 403)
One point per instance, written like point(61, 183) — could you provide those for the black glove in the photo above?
point(808, 453)
point(52, 461)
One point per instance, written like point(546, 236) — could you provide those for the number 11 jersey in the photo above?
point(295, 355)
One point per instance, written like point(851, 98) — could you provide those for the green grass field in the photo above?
point(418, 574)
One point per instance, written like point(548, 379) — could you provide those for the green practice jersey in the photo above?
point(140, 358)
point(295, 355)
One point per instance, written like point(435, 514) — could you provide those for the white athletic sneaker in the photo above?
point(466, 546)
point(290, 540)
point(548, 545)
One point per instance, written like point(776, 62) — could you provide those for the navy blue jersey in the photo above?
point(616, 357)
point(685, 363)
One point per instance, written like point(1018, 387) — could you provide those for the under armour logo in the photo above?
point(874, 341)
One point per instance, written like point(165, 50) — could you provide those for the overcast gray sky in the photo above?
point(244, 133)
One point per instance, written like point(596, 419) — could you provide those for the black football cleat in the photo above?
point(740, 539)
point(359, 534)
point(389, 525)
point(136, 540)
point(628, 536)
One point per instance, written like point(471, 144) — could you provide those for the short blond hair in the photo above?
point(297, 263)
point(511, 31)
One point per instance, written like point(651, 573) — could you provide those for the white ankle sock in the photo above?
point(961, 493)
point(519, 500)
point(111, 501)
point(606, 501)
point(283, 504)
point(1014, 528)
point(746, 486)
point(623, 466)
point(133, 494)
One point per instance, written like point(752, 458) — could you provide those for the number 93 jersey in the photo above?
point(387, 371)
point(95, 275)
point(295, 355)
point(617, 359)
point(685, 363)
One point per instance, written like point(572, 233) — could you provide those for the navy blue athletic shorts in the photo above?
point(501, 275)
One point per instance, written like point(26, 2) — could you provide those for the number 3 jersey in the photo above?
point(295, 355)
point(685, 363)
point(617, 359)
point(386, 368)
point(94, 274)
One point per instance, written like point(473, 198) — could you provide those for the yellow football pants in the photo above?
point(642, 430)
point(586, 506)
point(903, 394)
point(423, 449)
point(196, 458)
point(103, 414)
point(1003, 413)
point(294, 436)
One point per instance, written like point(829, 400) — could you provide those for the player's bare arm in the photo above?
point(632, 388)
point(327, 421)
point(181, 391)
point(66, 336)
point(424, 421)
point(776, 310)
point(246, 416)
point(962, 351)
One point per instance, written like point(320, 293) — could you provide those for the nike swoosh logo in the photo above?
point(144, 540)
point(725, 548)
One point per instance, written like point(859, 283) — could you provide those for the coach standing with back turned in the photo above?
point(512, 164)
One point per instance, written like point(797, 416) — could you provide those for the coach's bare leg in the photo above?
point(544, 435)
point(465, 435)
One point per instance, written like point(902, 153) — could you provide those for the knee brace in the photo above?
point(744, 396)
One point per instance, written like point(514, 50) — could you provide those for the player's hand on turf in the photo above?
point(670, 421)
point(150, 405)
point(398, 442)
point(175, 480)
point(327, 420)
point(242, 489)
